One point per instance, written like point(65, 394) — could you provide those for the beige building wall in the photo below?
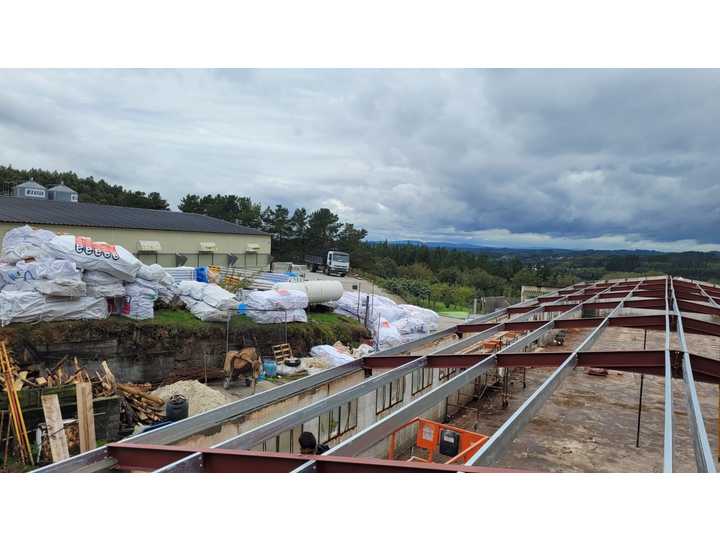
point(172, 242)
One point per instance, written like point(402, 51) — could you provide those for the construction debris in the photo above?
point(146, 408)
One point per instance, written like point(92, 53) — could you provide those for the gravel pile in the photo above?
point(201, 397)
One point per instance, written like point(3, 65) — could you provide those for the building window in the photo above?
point(337, 422)
point(389, 395)
point(280, 443)
point(421, 379)
point(446, 373)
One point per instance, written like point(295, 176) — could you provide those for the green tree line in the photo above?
point(89, 189)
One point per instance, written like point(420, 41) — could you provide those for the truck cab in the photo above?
point(337, 262)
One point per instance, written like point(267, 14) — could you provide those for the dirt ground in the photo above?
point(590, 422)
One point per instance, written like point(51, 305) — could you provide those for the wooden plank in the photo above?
point(55, 427)
point(86, 420)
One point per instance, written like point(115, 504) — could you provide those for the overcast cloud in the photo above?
point(574, 158)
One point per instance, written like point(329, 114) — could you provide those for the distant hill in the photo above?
point(520, 250)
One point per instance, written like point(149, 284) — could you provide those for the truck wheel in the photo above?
point(343, 275)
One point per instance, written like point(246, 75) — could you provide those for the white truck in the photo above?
point(329, 262)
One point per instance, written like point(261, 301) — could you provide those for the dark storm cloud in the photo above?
point(569, 158)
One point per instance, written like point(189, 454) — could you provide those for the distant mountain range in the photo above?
point(509, 250)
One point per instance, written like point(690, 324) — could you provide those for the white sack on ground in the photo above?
point(34, 306)
point(411, 325)
point(138, 308)
point(276, 299)
point(25, 242)
point(206, 312)
point(353, 304)
point(428, 316)
point(90, 255)
point(275, 317)
point(331, 354)
point(193, 289)
point(217, 297)
point(61, 287)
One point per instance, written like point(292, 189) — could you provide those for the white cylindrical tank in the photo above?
point(318, 291)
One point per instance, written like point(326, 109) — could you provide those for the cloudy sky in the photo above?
point(569, 158)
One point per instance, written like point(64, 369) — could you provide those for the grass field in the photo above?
point(454, 314)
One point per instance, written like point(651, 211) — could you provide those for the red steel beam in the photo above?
point(148, 457)
point(649, 322)
point(650, 360)
point(133, 457)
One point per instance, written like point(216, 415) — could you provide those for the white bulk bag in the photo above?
point(153, 272)
point(24, 243)
point(138, 291)
point(89, 255)
point(278, 316)
point(430, 318)
point(277, 300)
point(106, 291)
point(206, 312)
point(93, 277)
point(217, 297)
point(331, 354)
point(34, 306)
point(193, 289)
point(61, 287)
point(138, 308)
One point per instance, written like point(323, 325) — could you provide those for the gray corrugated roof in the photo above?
point(31, 184)
point(62, 187)
point(41, 212)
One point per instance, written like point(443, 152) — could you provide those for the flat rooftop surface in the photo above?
point(589, 424)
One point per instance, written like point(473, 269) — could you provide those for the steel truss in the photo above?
point(669, 299)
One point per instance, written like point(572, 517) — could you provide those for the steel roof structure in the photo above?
point(669, 301)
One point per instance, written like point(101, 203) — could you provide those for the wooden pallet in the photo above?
point(282, 353)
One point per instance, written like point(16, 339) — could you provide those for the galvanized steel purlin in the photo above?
point(263, 432)
point(373, 434)
point(703, 454)
point(504, 436)
point(668, 406)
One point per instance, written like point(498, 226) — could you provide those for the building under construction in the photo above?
point(607, 376)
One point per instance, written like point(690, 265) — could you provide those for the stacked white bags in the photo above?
point(390, 323)
point(102, 284)
point(24, 306)
point(277, 306)
point(206, 301)
point(150, 283)
point(39, 283)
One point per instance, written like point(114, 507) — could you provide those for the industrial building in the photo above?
point(154, 236)
point(575, 397)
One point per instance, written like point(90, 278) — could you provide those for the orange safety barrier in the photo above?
point(428, 438)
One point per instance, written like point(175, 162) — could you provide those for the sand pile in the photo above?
point(201, 397)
